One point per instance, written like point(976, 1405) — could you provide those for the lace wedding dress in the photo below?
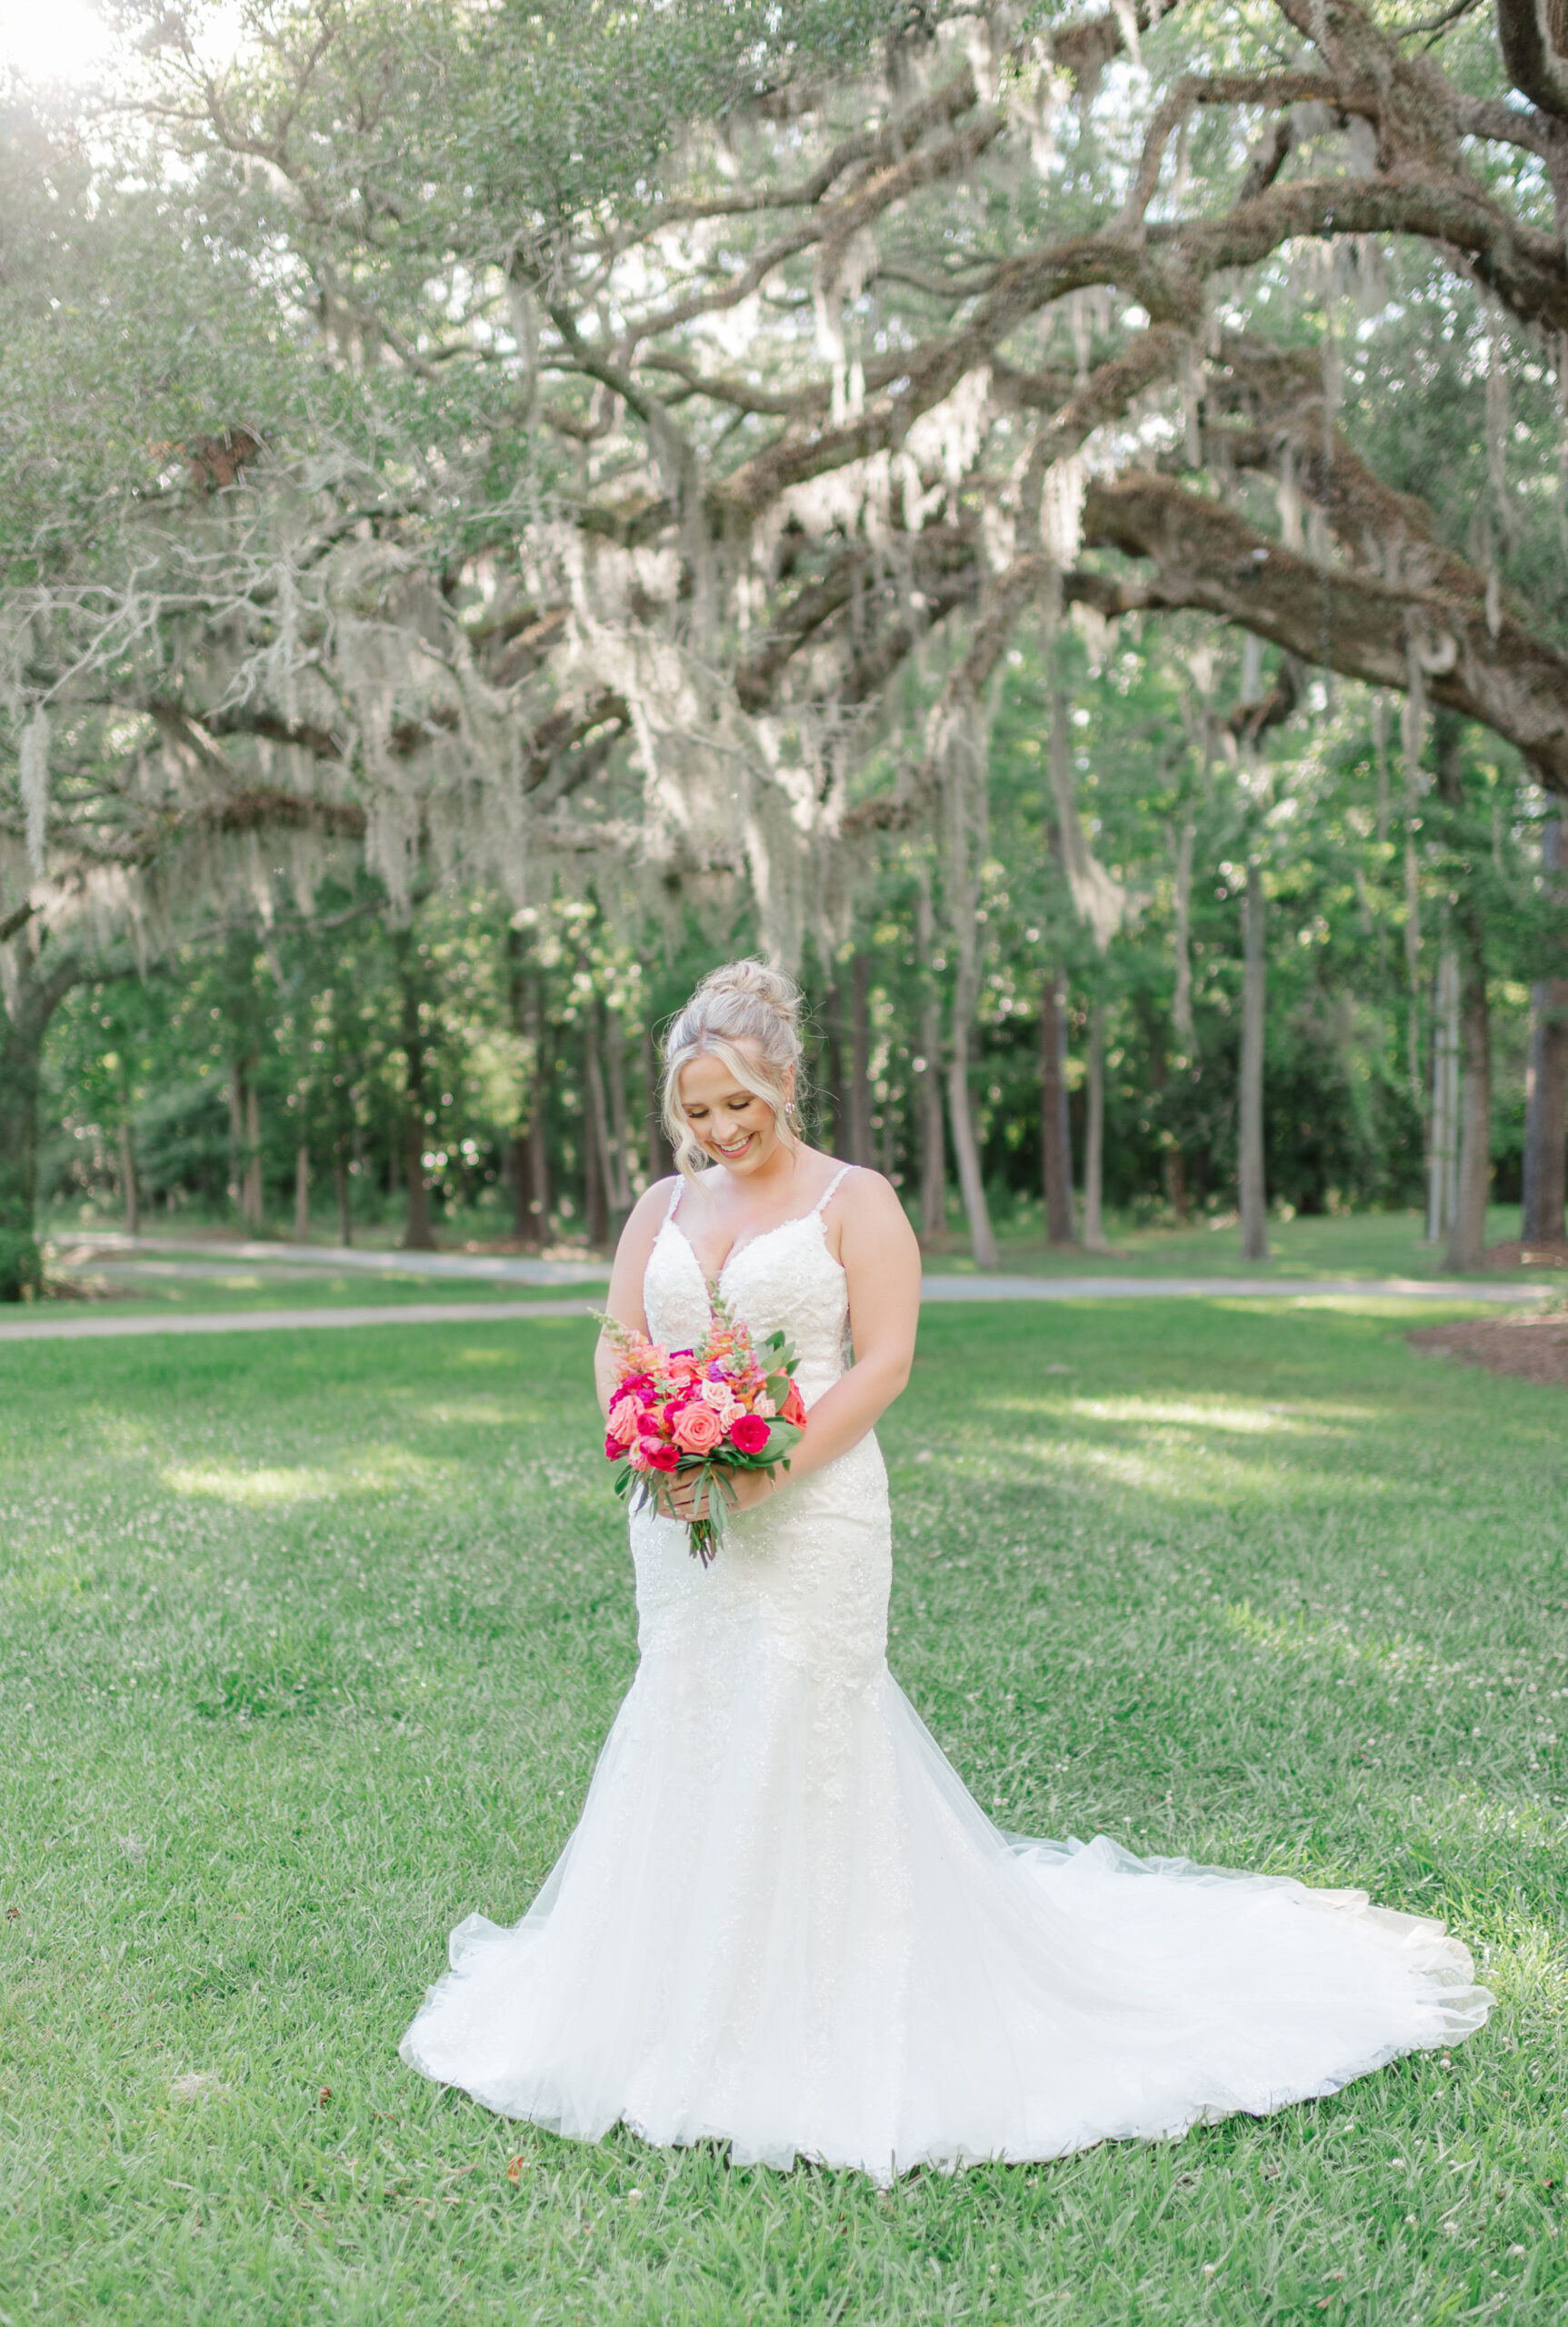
point(783, 1922)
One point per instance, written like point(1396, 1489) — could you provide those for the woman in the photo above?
point(781, 1922)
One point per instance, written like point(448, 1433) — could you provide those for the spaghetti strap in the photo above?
point(679, 1191)
point(827, 1195)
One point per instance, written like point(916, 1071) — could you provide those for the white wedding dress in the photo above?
point(781, 1922)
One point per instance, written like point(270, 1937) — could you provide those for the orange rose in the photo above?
point(793, 1407)
point(697, 1429)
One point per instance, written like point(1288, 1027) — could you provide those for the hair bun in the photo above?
point(757, 982)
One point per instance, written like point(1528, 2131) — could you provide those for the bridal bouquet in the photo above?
point(729, 1405)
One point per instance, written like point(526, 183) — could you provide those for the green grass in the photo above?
point(152, 1288)
point(1367, 1243)
point(307, 1651)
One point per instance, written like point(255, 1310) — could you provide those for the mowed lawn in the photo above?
point(309, 1643)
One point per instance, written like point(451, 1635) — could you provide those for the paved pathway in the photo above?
point(30, 1327)
point(199, 1255)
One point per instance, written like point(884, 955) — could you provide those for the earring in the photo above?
point(789, 1109)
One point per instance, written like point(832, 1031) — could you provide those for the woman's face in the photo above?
point(731, 1123)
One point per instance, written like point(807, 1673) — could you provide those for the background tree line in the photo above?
point(1052, 523)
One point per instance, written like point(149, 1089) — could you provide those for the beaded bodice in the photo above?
point(784, 1279)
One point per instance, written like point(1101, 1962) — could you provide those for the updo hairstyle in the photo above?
point(744, 1002)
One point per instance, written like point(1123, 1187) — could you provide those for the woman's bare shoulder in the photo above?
point(867, 1195)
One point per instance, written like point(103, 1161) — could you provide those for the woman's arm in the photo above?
point(626, 1274)
point(880, 1255)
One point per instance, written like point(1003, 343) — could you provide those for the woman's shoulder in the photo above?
point(658, 1198)
point(863, 1192)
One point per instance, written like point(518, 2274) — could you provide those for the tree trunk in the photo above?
point(1174, 1172)
point(1546, 1085)
point(839, 1133)
point(530, 1139)
point(237, 1135)
point(932, 1145)
point(661, 1157)
point(932, 1140)
point(1467, 1240)
point(616, 1089)
point(419, 1236)
point(539, 1193)
point(1443, 1122)
point(253, 1204)
point(1467, 1232)
point(1056, 1136)
point(596, 1134)
point(1182, 1007)
point(128, 1190)
point(35, 996)
point(862, 1137)
point(960, 1120)
point(1094, 1140)
point(1255, 997)
point(301, 1194)
point(340, 1185)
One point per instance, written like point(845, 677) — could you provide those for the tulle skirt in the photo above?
point(781, 1922)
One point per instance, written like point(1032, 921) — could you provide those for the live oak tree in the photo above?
point(629, 405)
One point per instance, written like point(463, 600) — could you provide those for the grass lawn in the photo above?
point(152, 1288)
point(308, 1647)
point(1347, 1245)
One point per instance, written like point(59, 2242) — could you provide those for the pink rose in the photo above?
point(697, 1429)
point(748, 1433)
point(660, 1458)
point(613, 1447)
point(621, 1425)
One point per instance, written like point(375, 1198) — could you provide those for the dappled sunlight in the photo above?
point(484, 1414)
point(1223, 1413)
point(264, 1486)
point(1397, 1657)
point(1182, 1470)
point(1197, 1450)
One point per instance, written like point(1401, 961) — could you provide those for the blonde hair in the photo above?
point(744, 1002)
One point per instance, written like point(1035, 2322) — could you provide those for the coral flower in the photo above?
point(697, 1429)
point(621, 1425)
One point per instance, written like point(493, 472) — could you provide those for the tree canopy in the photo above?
point(580, 449)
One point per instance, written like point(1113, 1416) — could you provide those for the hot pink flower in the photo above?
point(748, 1433)
point(697, 1429)
point(660, 1458)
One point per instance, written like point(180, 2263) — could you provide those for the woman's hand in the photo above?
point(689, 1496)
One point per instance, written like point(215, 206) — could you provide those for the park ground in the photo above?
point(309, 1643)
point(194, 1267)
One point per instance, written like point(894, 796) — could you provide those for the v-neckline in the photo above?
point(713, 1283)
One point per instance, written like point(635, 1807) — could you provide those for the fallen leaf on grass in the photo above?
point(516, 2169)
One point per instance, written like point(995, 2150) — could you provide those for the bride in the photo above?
point(781, 1922)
